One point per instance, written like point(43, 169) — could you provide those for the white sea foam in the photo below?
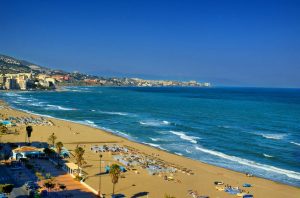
point(183, 136)
point(90, 122)
point(178, 153)
point(156, 123)
point(22, 98)
point(42, 115)
point(87, 122)
point(298, 144)
point(57, 107)
point(36, 104)
point(122, 133)
point(11, 94)
point(151, 144)
point(188, 151)
point(288, 173)
point(266, 155)
point(157, 139)
point(273, 136)
point(115, 132)
point(155, 145)
point(114, 113)
point(77, 89)
point(154, 139)
point(224, 126)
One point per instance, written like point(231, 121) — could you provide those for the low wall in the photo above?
point(89, 187)
point(82, 182)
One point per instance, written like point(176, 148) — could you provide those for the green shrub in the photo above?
point(48, 176)
point(78, 178)
point(6, 188)
point(40, 176)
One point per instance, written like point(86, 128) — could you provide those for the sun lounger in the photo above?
point(218, 183)
point(247, 185)
point(220, 188)
point(248, 196)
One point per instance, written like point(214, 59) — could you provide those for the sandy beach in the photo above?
point(201, 180)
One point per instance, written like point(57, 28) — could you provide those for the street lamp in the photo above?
point(100, 176)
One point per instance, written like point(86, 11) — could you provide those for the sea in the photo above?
point(254, 130)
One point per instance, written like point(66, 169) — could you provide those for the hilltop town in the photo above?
point(22, 75)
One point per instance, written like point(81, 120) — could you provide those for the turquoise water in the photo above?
point(244, 129)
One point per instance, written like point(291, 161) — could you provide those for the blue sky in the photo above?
point(241, 43)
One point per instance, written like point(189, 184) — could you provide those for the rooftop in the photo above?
point(26, 149)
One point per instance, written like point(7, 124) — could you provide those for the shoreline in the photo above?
point(127, 137)
point(202, 165)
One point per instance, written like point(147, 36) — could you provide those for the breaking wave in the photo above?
point(57, 107)
point(188, 151)
point(266, 155)
point(288, 173)
point(155, 123)
point(114, 113)
point(298, 144)
point(155, 145)
point(273, 136)
point(183, 136)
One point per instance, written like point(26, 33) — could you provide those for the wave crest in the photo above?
point(57, 107)
point(183, 136)
point(114, 113)
point(288, 173)
point(273, 136)
point(155, 123)
point(155, 145)
point(266, 155)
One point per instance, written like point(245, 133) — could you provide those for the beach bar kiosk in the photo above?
point(27, 152)
point(72, 168)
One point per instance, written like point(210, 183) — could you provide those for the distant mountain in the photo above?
point(10, 64)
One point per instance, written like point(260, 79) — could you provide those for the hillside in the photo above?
point(9, 64)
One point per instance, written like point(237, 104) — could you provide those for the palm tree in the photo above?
point(79, 151)
point(52, 138)
point(29, 131)
point(59, 146)
point(114, 172)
